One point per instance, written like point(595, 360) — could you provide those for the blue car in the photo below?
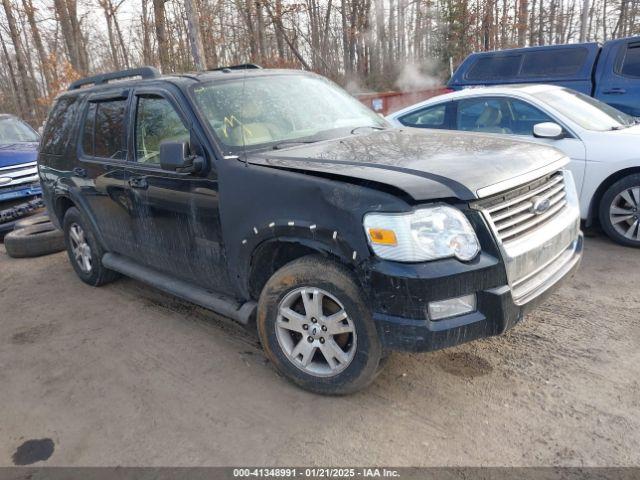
point(19, 184)
point(609, 72)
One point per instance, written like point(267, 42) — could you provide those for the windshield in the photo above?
point(587, 112)
point(13, 130)
point(257, 112)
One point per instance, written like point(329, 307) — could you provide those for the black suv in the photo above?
point(274, 195)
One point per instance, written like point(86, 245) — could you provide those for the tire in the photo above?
point(34, 241)
point(286, 339)
point(84, 250)
point(39, 219)
point(619, 211)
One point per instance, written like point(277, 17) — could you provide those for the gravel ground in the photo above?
point(125, 375)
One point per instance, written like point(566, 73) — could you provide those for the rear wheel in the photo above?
point(316, 329)
point(84, 251)
point(620, 211)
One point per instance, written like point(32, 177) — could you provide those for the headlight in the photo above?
point(425, 234)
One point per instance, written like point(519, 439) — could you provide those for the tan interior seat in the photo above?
point(489, 121)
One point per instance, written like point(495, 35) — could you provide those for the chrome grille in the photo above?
point(513, 214)
point(18, 175)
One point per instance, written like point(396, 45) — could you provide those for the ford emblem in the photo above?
point(539, 205)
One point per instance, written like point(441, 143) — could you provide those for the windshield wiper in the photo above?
point(372, 127)
point(286, 143)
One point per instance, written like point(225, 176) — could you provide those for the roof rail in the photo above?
point(144, 72)
point(242, 66)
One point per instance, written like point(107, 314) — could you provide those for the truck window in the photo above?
point(429, 117)
point(103, 133)
point(553, 62)
point(494, 67)
point(631, 63)
point(156, 121)
point(57, 131)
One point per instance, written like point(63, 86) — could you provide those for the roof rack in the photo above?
point(242, 66)
point(144, 72)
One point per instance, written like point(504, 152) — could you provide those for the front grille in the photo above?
point(18, 175)
point(511, 214)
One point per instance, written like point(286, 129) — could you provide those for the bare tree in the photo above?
point(195, 39)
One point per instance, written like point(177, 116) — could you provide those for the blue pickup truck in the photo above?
point(20, 190)
point(609, 72)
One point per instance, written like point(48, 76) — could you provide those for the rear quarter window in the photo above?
point(494, 67)
point(60, 123)
point(554, 62)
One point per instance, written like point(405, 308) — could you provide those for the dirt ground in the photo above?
point(126, 375)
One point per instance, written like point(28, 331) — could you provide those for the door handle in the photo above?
point(80, 172)
point(138, 182)
point(614, 91)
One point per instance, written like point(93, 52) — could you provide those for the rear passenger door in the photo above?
point(175, 215)
point(99, 172)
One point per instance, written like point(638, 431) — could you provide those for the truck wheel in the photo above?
point(620, 211)
point(84, 251)
point(316, 328)
point(34, 241)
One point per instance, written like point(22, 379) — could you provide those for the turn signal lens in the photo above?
point(380, 236)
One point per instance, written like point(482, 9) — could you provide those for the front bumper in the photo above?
point(403, 294)
point(9, 215)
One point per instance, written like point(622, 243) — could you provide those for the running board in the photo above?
point(240, 312)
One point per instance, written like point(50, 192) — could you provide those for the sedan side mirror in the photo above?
point(549, 130)
point(175, 157)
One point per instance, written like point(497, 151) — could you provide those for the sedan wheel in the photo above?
point(624, 213)
point(620, 211)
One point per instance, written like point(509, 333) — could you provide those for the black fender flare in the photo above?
point(322, 239)
point(80, 203)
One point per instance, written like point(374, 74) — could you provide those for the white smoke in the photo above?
point(414, 77)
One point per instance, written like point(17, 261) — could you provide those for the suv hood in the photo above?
point(17, 154)
point(426, 164)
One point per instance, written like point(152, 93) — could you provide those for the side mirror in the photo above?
point(549, 130)
point(175, 157)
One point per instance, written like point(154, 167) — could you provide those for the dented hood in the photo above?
point(426, 164)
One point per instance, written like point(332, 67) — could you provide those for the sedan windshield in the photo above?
point(278, 110)
point(589, 113)
point(13, 131)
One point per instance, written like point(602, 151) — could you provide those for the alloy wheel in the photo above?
point(624, 213)
point(80, 248)
point(315, 332)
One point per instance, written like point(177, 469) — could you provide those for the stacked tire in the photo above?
point(33, 237)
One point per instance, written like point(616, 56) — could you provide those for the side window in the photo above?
point(156, 121)
point(554, 62)
point(631, 63)
point(103, 132)
point(59, 125)
point(87, 130)
point(429, 117)
point(524, 116)
point(494, 67)
point(482, 115)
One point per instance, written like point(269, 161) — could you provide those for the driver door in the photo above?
point(175, 215)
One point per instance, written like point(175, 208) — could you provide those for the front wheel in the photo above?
point(620, 211)
point(316, 328)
